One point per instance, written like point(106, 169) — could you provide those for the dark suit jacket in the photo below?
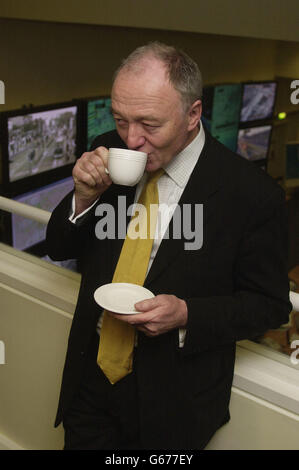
point(235, 286)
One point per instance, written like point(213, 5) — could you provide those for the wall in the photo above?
point(49, 62)
point(37, 302)
point(287, 58)
point(256, 425)
point(248, 18)
point(35, 336)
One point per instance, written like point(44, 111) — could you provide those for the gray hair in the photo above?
point(183, 73)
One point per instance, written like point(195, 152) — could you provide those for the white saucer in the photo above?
point(120, 297)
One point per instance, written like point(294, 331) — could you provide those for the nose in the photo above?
point(135, 138)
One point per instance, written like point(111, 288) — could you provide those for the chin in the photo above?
point(152, 166)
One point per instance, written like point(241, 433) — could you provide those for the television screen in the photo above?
point(254, 142)
point(258, 101)
point(226, 106)
point(26, 232)
point(41, 141)
point(39, 145)
point(99, 118)
point(228, 137)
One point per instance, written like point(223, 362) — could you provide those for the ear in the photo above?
point(194, 114)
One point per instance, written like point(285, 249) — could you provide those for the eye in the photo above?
point(150, 126)
point(120, 122)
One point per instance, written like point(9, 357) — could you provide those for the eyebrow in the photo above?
point(141, 118)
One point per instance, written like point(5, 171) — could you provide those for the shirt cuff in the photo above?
point(74, 219)
point(182, 335)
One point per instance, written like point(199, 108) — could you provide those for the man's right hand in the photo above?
point(90, 178)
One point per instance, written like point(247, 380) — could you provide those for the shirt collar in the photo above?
point(181, 166)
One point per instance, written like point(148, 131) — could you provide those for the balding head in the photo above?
point(182, 72)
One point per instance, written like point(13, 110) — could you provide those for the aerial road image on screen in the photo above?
point(253, 143)
point(41, 141)
point(258, 101)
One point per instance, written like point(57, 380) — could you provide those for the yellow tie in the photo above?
point(115, 355)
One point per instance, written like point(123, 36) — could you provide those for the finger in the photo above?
point(145, 330)
point(99, 159)
point(98, 171)
point(103, 153)
point(90, 169)
point(86, 174)
point(148, 330)
point(148, 304)
point(133, 318)
point(83, 176)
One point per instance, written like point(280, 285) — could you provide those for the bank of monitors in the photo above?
point(240, 117)
point(38, 146)
point(256, 120)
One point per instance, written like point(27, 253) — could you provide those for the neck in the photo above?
point(191, 136)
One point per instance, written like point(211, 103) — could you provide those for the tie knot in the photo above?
point(155, 175)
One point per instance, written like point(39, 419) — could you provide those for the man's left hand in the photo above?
point(158, 315)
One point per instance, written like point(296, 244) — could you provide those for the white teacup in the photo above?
point(126, 167)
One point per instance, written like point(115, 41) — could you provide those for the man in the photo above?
point(231, 287)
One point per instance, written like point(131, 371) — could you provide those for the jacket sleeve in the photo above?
point(65, 239)
point(68, 240)
point(261, 288)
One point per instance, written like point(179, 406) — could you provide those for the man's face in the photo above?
point(149, 114)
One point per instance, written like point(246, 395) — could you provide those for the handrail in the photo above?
point(25, 210)
point(42, 216)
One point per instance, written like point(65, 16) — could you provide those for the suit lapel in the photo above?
point(202, 185)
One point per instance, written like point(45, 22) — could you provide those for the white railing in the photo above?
point(30, 212)
point(42, 216)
